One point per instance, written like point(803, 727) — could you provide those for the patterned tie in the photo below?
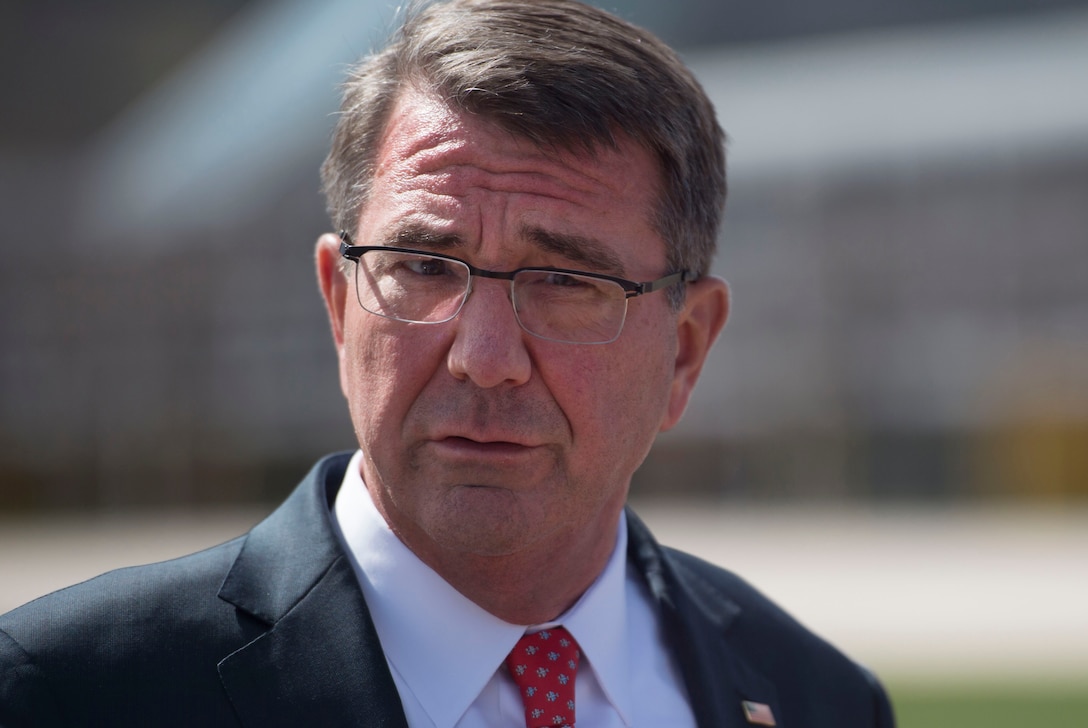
point(543, 666)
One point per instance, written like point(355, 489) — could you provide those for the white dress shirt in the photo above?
point(446, 653)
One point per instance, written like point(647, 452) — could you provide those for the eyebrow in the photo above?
point(425, 238)
point(579, 249)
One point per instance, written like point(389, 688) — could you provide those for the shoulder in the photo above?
point(118, 609)
point(126, 594)
point(717, 610)
point(693, 584)
point(815, 680)
point(139, 626)
point(712, 584)
point(754, 620)
point(143, 645)
point(183, 593)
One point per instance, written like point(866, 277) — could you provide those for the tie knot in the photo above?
point(543, 665)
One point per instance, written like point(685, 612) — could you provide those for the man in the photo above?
point(529, 193)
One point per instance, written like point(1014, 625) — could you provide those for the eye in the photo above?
point(565, 280)
point(428, 267)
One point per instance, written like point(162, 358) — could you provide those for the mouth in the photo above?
point(488, 462)
point(470, 446)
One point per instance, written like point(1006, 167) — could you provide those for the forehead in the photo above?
point(452, 171)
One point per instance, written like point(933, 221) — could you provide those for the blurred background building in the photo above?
point(906, 238)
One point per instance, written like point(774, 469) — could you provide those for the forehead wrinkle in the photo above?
point(427, 139)
point(419, 126)
point(448, 167)
point(444, 166)
point(457, 174)
point(453, 163)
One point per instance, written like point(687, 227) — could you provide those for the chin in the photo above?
point(486, 521)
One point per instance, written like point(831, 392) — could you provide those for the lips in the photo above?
point(461, 451)
point(470, 445)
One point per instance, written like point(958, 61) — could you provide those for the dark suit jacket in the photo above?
point(271, 629)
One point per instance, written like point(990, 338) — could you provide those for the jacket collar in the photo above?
point(319, 660)
point(697, 618)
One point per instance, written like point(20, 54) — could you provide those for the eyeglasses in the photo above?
point(556, 304)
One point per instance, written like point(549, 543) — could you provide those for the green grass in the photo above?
point(994, 706)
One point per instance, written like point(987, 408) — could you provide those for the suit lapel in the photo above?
point(319, 662)
point(697, 619)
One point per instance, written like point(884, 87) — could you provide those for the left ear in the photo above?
point(706, 308)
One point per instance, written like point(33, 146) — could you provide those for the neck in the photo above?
point(530, 585)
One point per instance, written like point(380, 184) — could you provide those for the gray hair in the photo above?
point(558, 73)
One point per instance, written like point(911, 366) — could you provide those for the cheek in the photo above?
point(616, 394)
point(384, 366)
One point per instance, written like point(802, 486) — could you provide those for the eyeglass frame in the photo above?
point(631, 289)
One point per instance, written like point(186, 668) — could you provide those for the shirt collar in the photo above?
point(598, 622)
point(447, 662)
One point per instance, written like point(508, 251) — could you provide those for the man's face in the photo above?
point(479, 437)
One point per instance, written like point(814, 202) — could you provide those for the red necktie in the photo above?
point(543, 665)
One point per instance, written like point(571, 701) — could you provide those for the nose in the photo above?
point(488, 348)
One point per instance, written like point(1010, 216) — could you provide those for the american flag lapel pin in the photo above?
point(758, 713)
